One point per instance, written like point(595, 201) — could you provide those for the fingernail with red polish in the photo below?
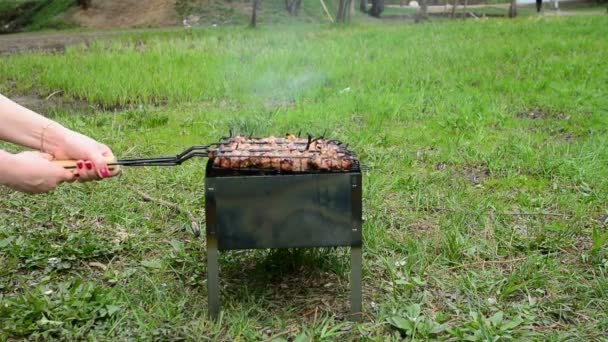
point(89, 165)
point(105, 173)
point(79, 164)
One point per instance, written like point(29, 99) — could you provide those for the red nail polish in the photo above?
point(79, 164)
point(89, 165)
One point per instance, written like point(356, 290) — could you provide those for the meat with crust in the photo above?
point(289, 154)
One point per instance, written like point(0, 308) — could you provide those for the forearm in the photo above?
point(22, 126)
point(6, 162)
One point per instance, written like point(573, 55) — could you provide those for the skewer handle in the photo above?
point(71, 165)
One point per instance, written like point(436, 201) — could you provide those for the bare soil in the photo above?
point(126, 13)
point(57, 41)
point(476, 173)
point(50, 103)
point(539, 113)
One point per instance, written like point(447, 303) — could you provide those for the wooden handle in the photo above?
point(71, 165)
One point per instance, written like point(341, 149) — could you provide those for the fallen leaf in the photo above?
point(99, 265)
point(45, 321)
point(152, 263)
point(112, 309)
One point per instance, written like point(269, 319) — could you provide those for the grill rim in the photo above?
point(328, 164)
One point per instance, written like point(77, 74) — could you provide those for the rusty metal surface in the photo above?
point(284, 211)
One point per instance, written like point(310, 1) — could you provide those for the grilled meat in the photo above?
point(289, 154)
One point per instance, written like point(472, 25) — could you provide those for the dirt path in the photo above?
point(126, 13)
point(548, 10)
point(448, 7)
point(57, 41)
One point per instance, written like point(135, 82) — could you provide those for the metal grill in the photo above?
point(283, 211)
point(283, 155)
point(265, 156)
point(277, 193)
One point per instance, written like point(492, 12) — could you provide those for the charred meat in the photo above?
point(288, 154)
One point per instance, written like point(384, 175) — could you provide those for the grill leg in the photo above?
point(356, 293)
point(213, 286)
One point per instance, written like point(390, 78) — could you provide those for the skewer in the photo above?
point(227, 150)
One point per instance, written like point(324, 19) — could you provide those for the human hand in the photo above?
point(32, 172)
point(91, 156)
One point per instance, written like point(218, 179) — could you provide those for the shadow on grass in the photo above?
point(307, 282)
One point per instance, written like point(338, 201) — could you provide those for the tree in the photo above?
point(377, 8)
point(344, 7)
point(422, 13)
point(254, 12)
point(363, 6)
point(293, 6)
point(513, 9)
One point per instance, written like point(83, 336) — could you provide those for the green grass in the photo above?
point(35, 15)
point(464, 124)
point(11, 5)
point(50, 16)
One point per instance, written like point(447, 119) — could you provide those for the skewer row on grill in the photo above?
point(289, 154)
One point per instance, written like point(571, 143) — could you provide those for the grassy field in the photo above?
point(485, 206)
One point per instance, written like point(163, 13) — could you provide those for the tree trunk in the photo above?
point(513, 9)
point(84, 4)
point(464, 13)
point(363, 6)
point(254, 14)
point(344, 9)
point(423, 9)
point(454, 4)
point(340, 15)
point(293, 6)
point(422, 12)
point(377, 8)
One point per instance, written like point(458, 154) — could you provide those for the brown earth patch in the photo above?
point(602, 220)
point(476, 173)
point(50, 104)
point(539, 113)
point(126, 13)
point(58, 41)
point(45, 105)
point(441, 166)
point(426, 228)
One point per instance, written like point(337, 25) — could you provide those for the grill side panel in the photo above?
point(284, 211)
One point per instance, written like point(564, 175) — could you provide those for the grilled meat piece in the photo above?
point(289, 154)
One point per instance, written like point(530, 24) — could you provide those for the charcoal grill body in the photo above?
point(283, 211)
